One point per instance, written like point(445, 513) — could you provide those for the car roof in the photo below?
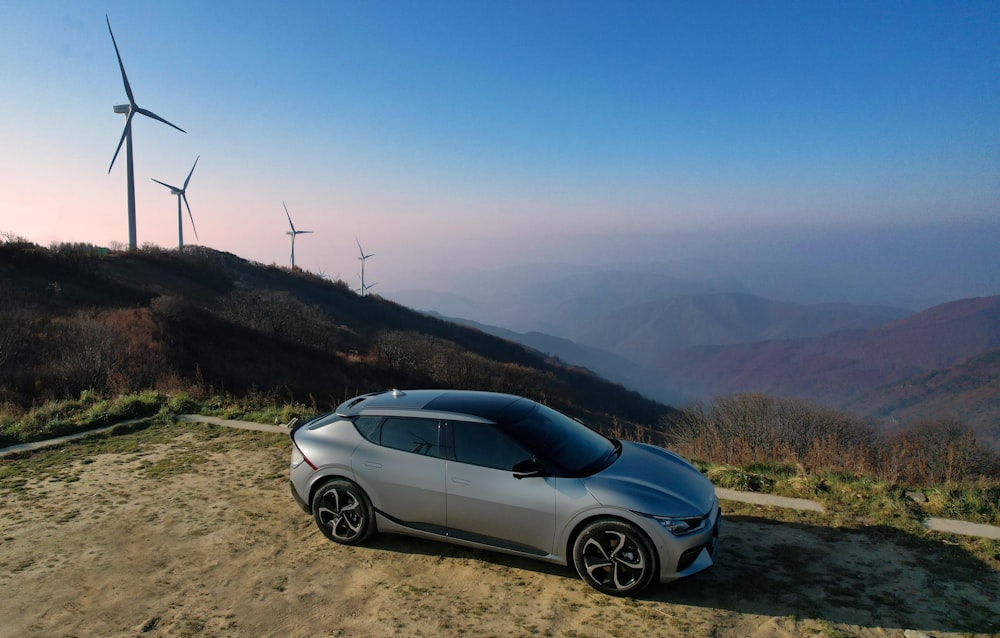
point(490, 406)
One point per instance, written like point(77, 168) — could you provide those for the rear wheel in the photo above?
point(614, 557)
point(343, 513)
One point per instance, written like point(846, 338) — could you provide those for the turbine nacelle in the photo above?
point(122, 109)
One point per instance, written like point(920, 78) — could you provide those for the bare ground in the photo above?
point(190, 530)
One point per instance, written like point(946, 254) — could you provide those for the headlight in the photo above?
point(678, 526)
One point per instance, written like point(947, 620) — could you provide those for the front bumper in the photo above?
point(686, 555)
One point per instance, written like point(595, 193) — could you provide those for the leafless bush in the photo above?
point(448, 365)
point(753, 428)
point(748, 428)
point(7, 237)
point(934, 451)
point(279, 314)
point(113, 350)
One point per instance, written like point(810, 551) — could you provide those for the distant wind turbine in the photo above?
point(363, 258)
point(368, 287)
point(182, 194)
point(293, 233)
point(129, 110)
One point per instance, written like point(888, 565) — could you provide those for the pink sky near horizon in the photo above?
point(443, 145)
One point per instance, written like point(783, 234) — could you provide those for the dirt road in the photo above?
point(189, 530)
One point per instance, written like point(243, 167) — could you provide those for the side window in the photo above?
point(419, 436)
point(484, 445)
point(368, 427)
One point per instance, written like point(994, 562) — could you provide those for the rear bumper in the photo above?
point(298, 499)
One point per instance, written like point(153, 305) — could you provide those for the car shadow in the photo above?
point(875, 576)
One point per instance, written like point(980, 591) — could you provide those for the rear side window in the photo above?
point(419, 436)
point(368, 427)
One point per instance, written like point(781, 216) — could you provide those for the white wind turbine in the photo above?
point(182, 195)
point(293, 233)
point(363, 258)
point(129, 110)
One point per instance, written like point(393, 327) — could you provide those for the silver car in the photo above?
point(504, 473)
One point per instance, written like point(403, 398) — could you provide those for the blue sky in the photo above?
point(477, 133)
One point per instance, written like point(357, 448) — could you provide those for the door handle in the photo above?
point(377, 466)
point(461, 481)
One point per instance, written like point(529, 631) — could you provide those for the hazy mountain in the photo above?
point(647, 333)
point(558, 300)
point(606, 364)
point(969, 391)
point(855, 367)
point(906, 267)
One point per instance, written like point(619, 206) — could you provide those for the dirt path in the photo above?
point(161, 534)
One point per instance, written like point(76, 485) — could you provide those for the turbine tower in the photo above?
point(129, 110)
point(363, 258)
point(293, 233)
point(182, 194)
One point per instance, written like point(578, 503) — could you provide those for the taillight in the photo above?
point(298, 457)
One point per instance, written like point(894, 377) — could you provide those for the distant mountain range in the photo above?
point(649, 333)
point(885, 363)
point(845, 365)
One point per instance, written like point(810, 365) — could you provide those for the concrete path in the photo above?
point(242, 425)
point(35, 445)
point(768, 499)
point(934, 524)
point(944, 525)
point(949, 526)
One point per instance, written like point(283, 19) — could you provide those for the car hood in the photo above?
point(651, 480)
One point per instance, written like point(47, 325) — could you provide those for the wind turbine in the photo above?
point(363, 258)
point(129, 110)
point(368, 287)
point(182, 194)
point(293, 233)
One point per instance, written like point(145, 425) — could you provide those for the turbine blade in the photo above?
point(289, 218)
point(128, 123)
point(185, 198)
point(121, 65)
point(149, 113)
point(173, 188)
point(359, 248)
point(190, 174)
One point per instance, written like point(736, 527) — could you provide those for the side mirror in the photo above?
point(527, 469)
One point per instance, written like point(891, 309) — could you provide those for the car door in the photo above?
point(485, 503)
point(405, 472)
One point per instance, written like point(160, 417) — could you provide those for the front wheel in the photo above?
point(614, 557)
point(343, 513)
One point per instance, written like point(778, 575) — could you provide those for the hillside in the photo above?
point(968, 391)
point(647, 333)
point(865, 369)
point(76, 319)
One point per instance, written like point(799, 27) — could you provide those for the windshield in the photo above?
point(568, 446)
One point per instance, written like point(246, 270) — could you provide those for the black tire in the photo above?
point(614, 557)
point(343, 512)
